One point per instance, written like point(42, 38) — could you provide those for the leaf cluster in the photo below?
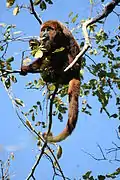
point(42, 3)
point(114, 175)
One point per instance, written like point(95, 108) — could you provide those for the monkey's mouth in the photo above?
point(47, 45)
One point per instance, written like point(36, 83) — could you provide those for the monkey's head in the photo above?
point(52, 35)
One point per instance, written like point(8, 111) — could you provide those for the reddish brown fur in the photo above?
point(57, 36)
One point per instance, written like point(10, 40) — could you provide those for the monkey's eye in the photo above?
point(48, 28)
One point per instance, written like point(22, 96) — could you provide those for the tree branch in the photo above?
point(31, 174)
point(5, 72)
point(45, 143)
point(37, 162)
point(34, 13)
point(107, 10)
point(98, 159)
point(50, 110)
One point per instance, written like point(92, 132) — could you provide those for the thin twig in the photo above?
point(37, 161)
point(98, 159)
point(5, 50)
point(101, 151)
point(56, 161)
point(42, 151)
point(55, 169)
point(90, 59)
point(35, 133)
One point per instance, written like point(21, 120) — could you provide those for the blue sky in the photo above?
point(89, 131)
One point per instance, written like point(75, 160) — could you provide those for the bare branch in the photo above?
point(2, 171)
point(86, 46)
point(34, 13)
point(55, 169)
point(50, 110)
point(5, 72)
point(37, 162)
point(101, 151)
point(107, 10)
point(42, 151)
point(5, 49)
point(98, 159)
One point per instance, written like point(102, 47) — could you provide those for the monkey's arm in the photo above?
point(73, 92)
point(35, 65)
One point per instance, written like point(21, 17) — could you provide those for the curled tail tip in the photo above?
point(54, 139)
point(73, 91)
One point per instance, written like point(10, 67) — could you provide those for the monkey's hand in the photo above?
point(31, 68)
point(24, 70)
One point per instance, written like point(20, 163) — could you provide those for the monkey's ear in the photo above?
point(33, 43)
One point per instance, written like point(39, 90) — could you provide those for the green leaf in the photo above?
point(89, 107)
point(19, 102)
point(39, 83)
point(88, 112)
point(35, 107)
point(33, 117)
point(39, 144)
point(38, 103)
point(7, 83)
point(31, 111)
point(37, 2)
point(1, 48)
point(28, 123)
point(43, 5)
point(91, 1)
point(101, 177)
point(59, 152)
point(12, 156)
point(13, 78)
point(10, 3)
point(87, 175)
point(38, 123)
point(114, 116)
point(62, 108)
point(60, 116)
point(59, 50)
point(74, 18)
point(51, 87)
point(38, 54)
point(70, 14)
point(10, 59)
point(16, 10)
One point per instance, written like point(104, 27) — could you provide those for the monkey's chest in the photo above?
point(53, 69)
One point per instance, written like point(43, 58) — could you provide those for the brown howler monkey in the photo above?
point(60, 50)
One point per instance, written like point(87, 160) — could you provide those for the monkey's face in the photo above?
point(50, 37)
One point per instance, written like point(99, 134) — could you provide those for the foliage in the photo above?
point(113, 175)
point(99, 78)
